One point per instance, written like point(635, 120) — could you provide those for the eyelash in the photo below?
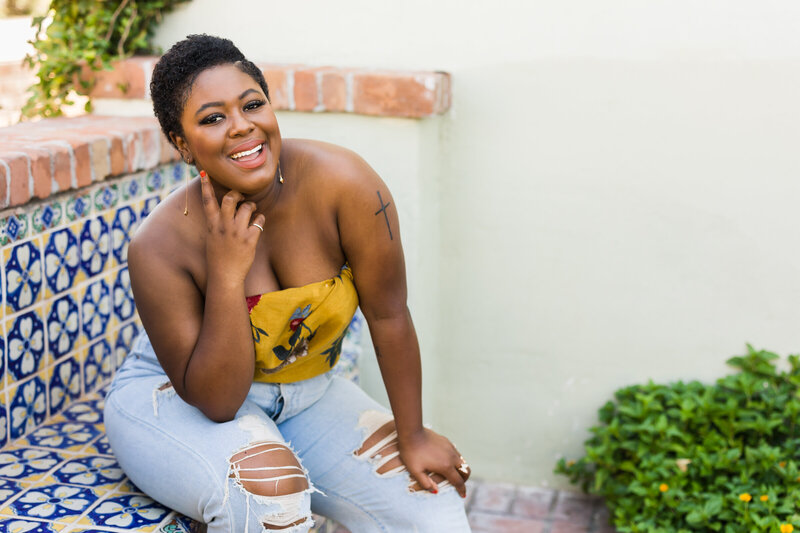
point(249, 106)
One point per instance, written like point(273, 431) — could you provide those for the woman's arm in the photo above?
point(370, 236)
point(205, 343)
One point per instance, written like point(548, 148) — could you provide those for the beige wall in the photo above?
point(611, 199)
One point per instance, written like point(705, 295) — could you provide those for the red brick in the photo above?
point(4, 179)
point(60, 155)
point(40, 171)
point(532, 502)
point(83, 163)
point(101, 166)
point(117, 156)
point(127, 79)
point(495, 497)
point(305, 90)
point(278, 85)
point(396, 94)
point(573, 507)
point(168, 152)
point(560, 526)
point(150, 146)
point(491, 523)
point(334, 91)
point(19, 184)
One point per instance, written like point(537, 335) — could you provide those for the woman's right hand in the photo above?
point(232, 237)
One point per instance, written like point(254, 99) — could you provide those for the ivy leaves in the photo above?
point(79, 33)
point(681, 457)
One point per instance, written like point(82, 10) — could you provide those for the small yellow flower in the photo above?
point(763, 497)
point(798, 479)
point(663, 487)
point(745, 497)
point(787, 528)
point(570, 463)
point(782, 464)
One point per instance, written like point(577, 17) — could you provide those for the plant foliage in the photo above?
point(691, 457)
point(79, 33)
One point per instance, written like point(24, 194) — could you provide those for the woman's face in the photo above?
point(230, 130)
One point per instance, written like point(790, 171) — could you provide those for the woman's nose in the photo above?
point(239, 125)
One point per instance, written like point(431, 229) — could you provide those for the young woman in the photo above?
point(246, 282)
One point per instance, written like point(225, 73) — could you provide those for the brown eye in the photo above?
point(211, 119)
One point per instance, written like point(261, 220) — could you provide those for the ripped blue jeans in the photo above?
point(320, 444)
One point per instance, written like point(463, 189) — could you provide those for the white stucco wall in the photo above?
point(611, 198)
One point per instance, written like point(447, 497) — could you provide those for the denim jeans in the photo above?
point(179, 457)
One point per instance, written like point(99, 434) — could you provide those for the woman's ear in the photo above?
point(183, 148)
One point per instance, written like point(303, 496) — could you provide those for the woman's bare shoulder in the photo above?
point(165, 231)
point(330, 165)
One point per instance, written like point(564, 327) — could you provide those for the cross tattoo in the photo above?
point(385, 216)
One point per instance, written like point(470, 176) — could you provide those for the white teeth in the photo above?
point(237, 155)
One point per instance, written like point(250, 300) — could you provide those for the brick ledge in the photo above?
point(388, 93)
point(39, 159)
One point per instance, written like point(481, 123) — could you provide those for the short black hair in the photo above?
point(180, 66)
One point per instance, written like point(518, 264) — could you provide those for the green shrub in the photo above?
point(696, 457)
point(75, 33)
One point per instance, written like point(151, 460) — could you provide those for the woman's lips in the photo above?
point(253, 160)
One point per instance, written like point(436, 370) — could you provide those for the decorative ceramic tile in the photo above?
point(155, 180)
point(28, 406)
point(78, 206)
point(98, 364)
point(69, 436)
point(96, 309)
point(23, 265)
point(65, 384)
point(148, 204)
point(178, 173)
point(3, 423)
point(105, 197)
point(23, 525)
point(25, 337)
point(62, 326)
point(127, 512)
point(9, 489)
point(125, 337)
point(122, 229)
point(86, 411)
point(53, 502)
point(3, 373)
point(26, 464)
point(127, 487)
point(95, 245)
point(131, 188)
point(124, 307)
point(61, 260)
point(179, 524)
point(13, 228)
point(90, 471)
point(100, 447)
point(47, 216)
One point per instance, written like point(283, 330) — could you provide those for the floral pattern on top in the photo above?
point(54, 501)
point(62, 326)
point(94, 246)
point(28, 408)
point(128, 512)
point(25, 464)
point(25, 345)
point(23, 276)
point(61, 260)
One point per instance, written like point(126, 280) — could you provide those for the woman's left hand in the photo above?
point(426, 453)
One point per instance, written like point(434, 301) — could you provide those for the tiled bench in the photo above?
point(68, 320)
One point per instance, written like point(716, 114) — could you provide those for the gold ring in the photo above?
point(258, 226)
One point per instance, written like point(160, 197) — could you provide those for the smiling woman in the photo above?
point(246, 281)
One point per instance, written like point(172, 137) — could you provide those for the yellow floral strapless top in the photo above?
point(298, 332)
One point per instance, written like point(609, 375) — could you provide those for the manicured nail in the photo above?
point(202, 173)
point(435, 490)
point(463, 495)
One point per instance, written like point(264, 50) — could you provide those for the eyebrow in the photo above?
point(220, 104)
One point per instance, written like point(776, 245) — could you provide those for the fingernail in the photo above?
point(435, 491)
point(202, 173)
point(463, 495)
